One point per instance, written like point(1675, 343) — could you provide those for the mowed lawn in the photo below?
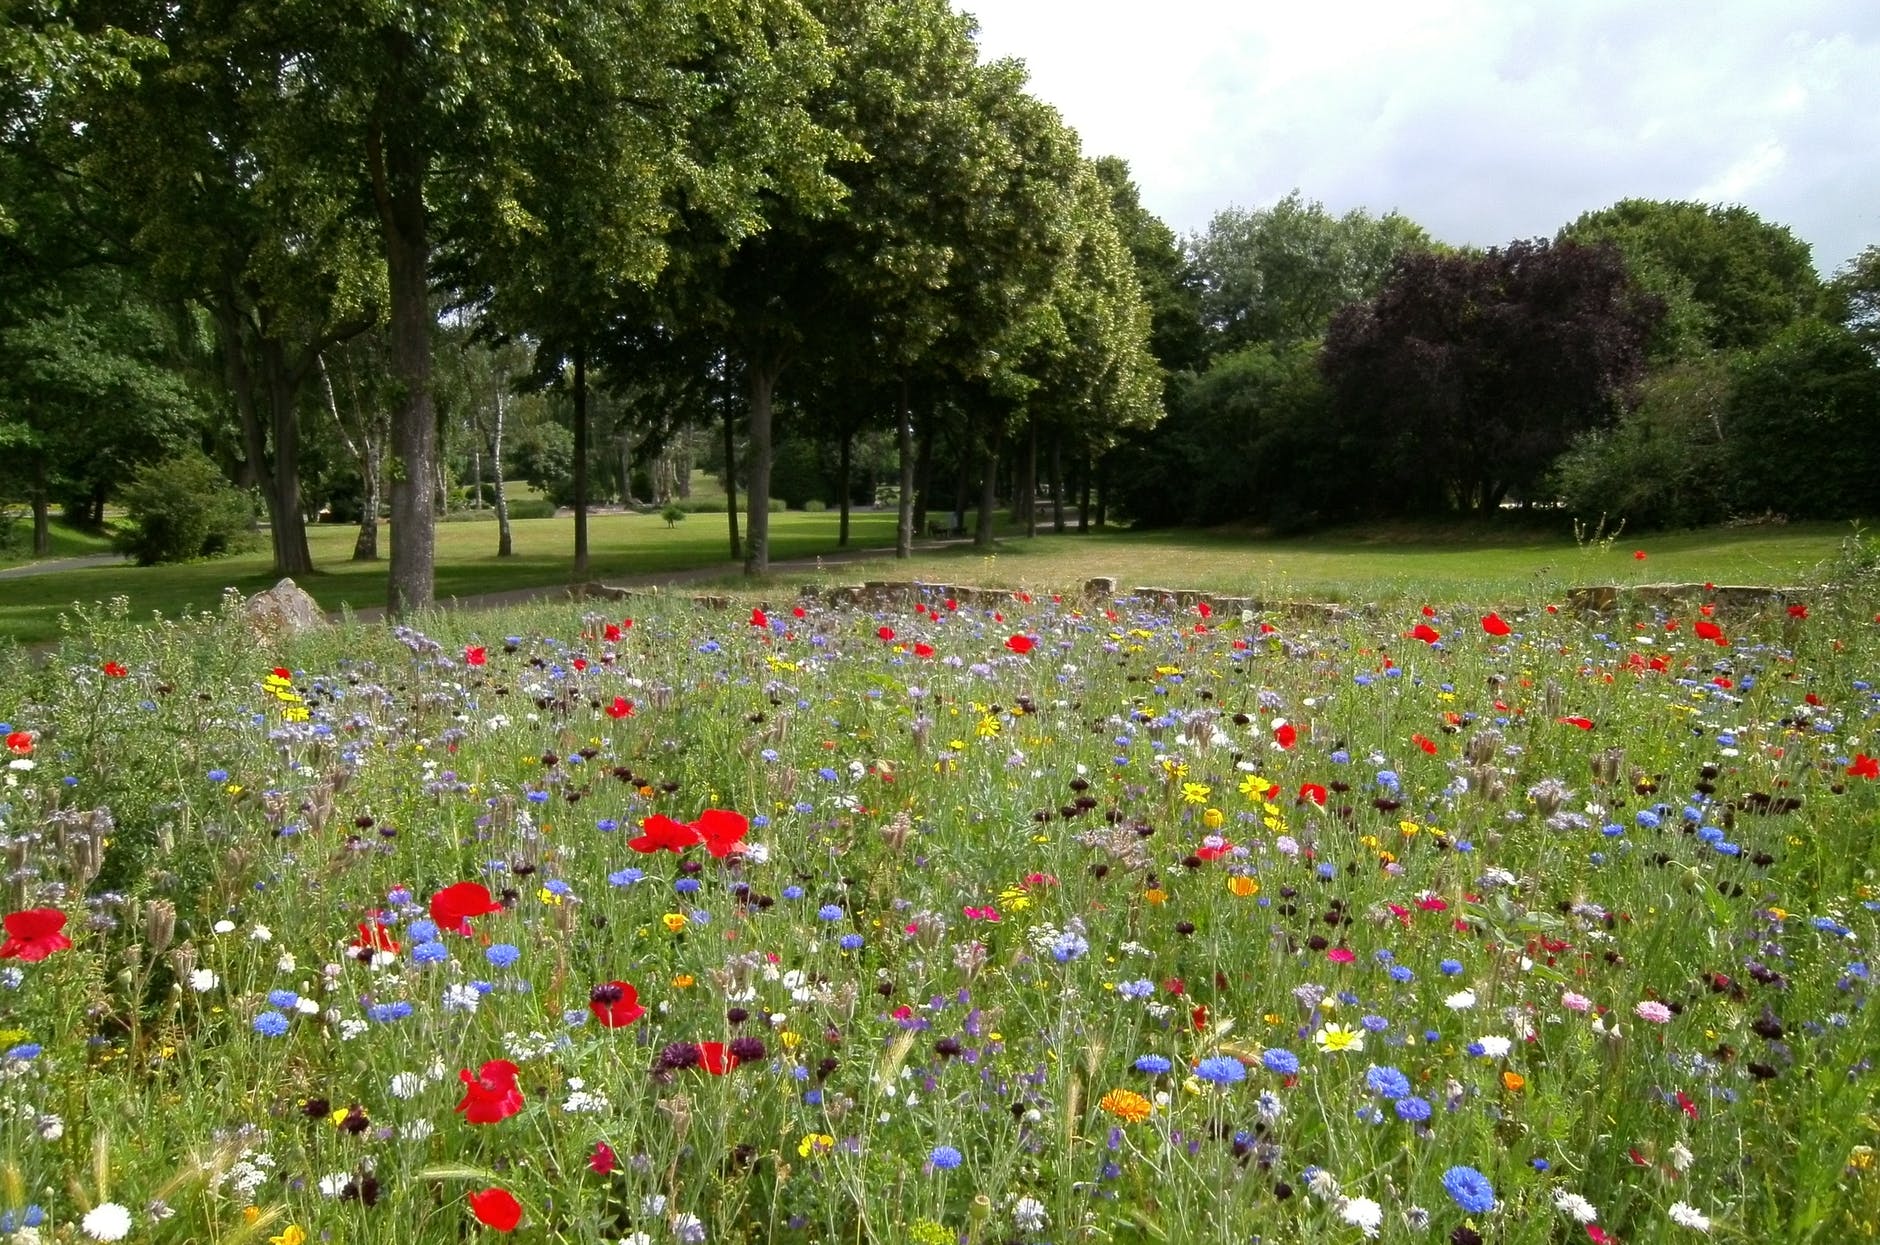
point(1492, 566)
point(467, 565)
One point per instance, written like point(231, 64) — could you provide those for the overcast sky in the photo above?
point(1483, 120)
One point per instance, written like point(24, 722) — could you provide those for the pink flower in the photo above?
point(1652, 1010)
point(1340, 955)
point(1576, 1002)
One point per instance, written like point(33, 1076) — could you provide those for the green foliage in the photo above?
point(182, 508)
point(673, 514)
point(1854, 297)
point(797, 475)
point(1729, 278)
point(1802, 427)
point(1663, 463)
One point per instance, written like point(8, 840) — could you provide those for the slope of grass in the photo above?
point(67, 542)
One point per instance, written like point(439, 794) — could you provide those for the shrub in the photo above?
point(815, 506)
point(183, 508)
point(1662, 464)
point(673, 514)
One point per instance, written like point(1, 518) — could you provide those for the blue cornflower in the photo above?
point(1221, 1070)
point(1646, 819)
point(1374, 1024)
point(555, 886)
point(1470, 1189)
point(1281, 1061)
point(792, 892)
point(1069, 946)
point(432, 952)
point(421, 931)
point(270, 1024)
point(503, 954)
point(607, 825)
point(1450, 967)
point(625, 877)
point(24, 1051)
point(1413, 1109)
point(1402, 973)
point(283, 999)
point(850, 942)
point(829, 912)
point(386, 1013)
point(1387, 1082)
point(946, 1158)
point(1139, 989)
point(218, 775)
point(685, 886)
point(1155, 1065)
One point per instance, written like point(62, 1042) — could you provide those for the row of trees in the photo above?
point(704, 207)
point(1662, 362)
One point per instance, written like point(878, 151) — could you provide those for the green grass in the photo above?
point(467, 565)
point(67, 542)
point(1492, 565)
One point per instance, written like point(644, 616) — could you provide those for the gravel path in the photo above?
point(52, 566)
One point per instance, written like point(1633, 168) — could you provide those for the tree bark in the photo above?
point(1103, 490)
point(626, 470)
point(904, 436)
point(1031, 481)
point(988, 491)
point(1057, 483)
point(731, 477)
point(580, 462)
point(842, 472)
point(505, 539)
point(1083, 503)
point(367, 449)
point(923, 472)
point(397, 168)
point(763, 377)
point(42, 515)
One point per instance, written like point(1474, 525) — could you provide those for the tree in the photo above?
point(1729, 278)
point(1171, 285)
point(1802, 425)
point(1854, 297)
point(1469, 374)
point(1279, 274)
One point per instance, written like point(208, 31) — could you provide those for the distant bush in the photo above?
point(183, 508)
point(529, 508)
point(672, 514)
point(815, 505)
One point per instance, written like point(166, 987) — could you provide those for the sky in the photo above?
point(1482, 120)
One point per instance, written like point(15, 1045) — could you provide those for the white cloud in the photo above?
point(1484, 121)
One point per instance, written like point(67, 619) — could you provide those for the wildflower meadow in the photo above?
point(1031, 920)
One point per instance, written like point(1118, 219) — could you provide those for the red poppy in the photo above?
point(1425, 633)
point(114, 670)
point(923, 650)
point(490, 1093)
point(1864, 766)
point(1312, 791)
point(662, 832)
point(580, 663)
point(34, 934)
point(1020, 644)
point(621, 708)
point(1429, 611)
point(1214, 853)
point(611, 632)
point(758, 619)
point(1204, 609)
point(615, 1004)
point(20, 743)
point(799, 612)
point(1599, 1235)
point(1428, 745)
point(496, 1208)
point(375, 937)
point(603, 1161)
point(1638, 555)
point(715, 1059)
point(475, 655)
point(1493, 624)
point(1285, 734)
point(721, 830)
point(952, 604)
point(885, 633)
point(1585, 724)
point(1798, 610)
point(453, 906)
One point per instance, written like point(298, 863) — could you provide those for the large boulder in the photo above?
point(282, 612)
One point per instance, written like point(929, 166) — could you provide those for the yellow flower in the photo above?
point(1513, 1082)
point(1126, 1105)
point(1156, 895)
point(815, 1143)
point(1196, 792)
point(790, 1039)
point(293, 1234)
point(988, 727)
point(1333, 1039)
point(674, 921)
point(1015, 898)
point(1254, 787)
point(546, 895)
point(1213, 818)
point(1243, 886)
point(684, 981)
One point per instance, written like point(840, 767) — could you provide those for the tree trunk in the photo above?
point(1031, 482)
point(923, 473)
point(1057, 483)
point(476, 473)
point(580, 462)
point(1103, 488)
point(42, 515)
point(366, 547)
point(398, 187)
point(962, 483)
point(988, 492)
point(843, 482)
point(505, 540)
point(1083, 503)
point(731, 478)
point(904, 435)
point(287, 521)
point(626, 470)
point(763, 376)
point(684, 465)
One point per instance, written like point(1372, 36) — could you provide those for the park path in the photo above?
point(51, 566)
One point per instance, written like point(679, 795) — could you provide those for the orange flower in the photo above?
point(1126, 1105)
point(1513, 1082)
point(1243, 886)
